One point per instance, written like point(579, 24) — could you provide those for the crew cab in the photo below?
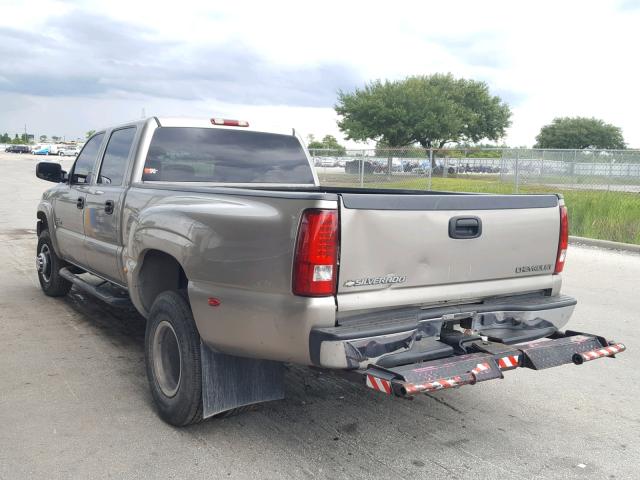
point(222, 238)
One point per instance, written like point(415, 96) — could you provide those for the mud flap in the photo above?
point(230, 382)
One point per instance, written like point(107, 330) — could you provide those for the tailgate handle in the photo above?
point(465, 227)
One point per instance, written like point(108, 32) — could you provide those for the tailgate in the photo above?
point(410, 242)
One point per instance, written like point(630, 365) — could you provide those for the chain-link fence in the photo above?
point(501, 170)
point(601, 187)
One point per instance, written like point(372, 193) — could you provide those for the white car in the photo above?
point(67, 150)
point(328, 162)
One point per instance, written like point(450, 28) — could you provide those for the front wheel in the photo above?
point(48, 265)
point(172, 356)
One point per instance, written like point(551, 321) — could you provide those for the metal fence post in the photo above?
point(517, 172)
point(610, 174)
point(430, 167)
point(463, 168)
point(362, 171)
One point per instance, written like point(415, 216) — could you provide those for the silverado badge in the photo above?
point(385, 280)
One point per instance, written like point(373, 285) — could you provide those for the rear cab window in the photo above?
point(114, 162)
point(216, 155)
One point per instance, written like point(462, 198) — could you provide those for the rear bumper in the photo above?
point(366, 339)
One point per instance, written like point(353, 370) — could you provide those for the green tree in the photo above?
point(430, 110)
point(43, 138)
point(580, 133)
point(5, 138)
point(56, 139)
point(329, 142)
point(90, 133)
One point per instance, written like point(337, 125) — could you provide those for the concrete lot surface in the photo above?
point(74, 401)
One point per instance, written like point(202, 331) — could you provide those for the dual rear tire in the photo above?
point(172, 355)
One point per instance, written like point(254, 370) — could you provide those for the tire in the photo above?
point(48, 265)
point(172, 357)
point(61, 154)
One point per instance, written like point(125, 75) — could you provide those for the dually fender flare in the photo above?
point(151, 236)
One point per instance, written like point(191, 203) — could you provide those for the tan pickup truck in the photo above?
point(223, 239)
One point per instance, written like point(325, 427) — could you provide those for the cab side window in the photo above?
point(83, 167)
point(114, 163)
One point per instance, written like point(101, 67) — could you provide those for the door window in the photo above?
point(114, 163)
point(86, 160)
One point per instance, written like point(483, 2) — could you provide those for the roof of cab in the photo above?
point(206, 123)
point(192, 122)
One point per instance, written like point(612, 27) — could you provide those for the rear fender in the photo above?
point(155, 232)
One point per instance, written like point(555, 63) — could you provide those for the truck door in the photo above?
point(70, 205)
point(103, 218)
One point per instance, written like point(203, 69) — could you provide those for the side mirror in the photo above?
point(50, 171)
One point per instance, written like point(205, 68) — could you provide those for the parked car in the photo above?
point(224, 241)
point(354, 166)
point(18, 149)
point(328, 162)
point(41, 150)
point(67, 150)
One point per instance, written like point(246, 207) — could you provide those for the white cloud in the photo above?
point(546, 58)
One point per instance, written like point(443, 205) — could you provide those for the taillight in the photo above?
point(315, 264)
point(563, 242)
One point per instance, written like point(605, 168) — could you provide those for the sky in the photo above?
point(69, 67)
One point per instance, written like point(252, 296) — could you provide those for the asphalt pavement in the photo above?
point(74, 401)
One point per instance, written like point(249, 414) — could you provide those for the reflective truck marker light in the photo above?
point(563, 241)
point(316, 255)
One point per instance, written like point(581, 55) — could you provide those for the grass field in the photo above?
point(592, 213)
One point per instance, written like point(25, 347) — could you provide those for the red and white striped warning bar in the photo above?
point(441, 384)
point(601, 352)
point(510, 361)
point(481, 367)
point(379, 384)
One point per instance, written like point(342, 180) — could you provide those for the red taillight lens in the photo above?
point(229, 123)
point(563, 242)
point(315, 264)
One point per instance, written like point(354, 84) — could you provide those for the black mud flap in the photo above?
point(230, 382)
point(488, 364)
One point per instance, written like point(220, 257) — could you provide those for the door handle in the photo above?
point(108, 207)
point(465, 227)
point(80, 203)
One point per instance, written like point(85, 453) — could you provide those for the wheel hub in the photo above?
point(43, 262)
point(167, 364)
